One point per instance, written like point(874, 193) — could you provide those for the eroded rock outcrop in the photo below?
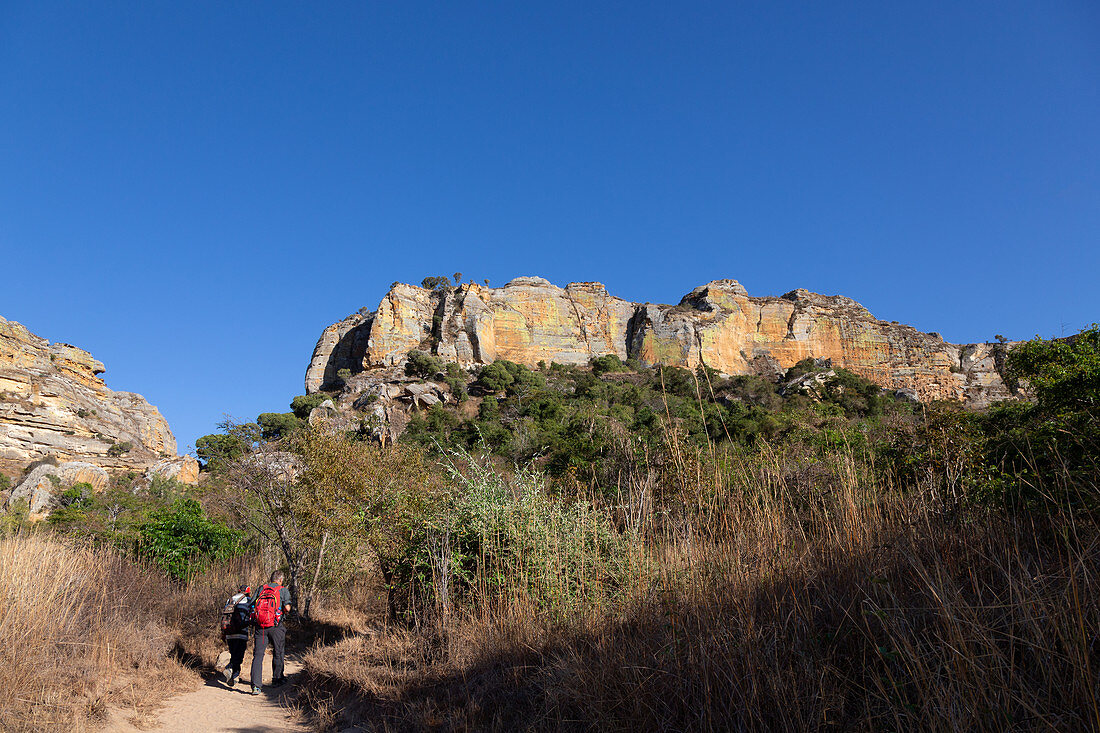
point(718, 325)
point(55, 407)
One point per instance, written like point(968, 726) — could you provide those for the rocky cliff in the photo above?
point(53, 405)
point(718, 325)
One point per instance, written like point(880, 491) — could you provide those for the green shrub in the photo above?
point(1063, 374)
point(182, 540)
point(275, 425)
point(218, 447)
point(302, 405)
point(72, 504)
point(456, 381)
point(423, 365)
point(604, 364)
point(1045, 453)
point(493, 377)
point(119, 449)
point(5, 482)
point(437, 282)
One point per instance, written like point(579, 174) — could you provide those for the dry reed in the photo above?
point(766, 593)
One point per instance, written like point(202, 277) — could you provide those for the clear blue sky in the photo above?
point(193, 191)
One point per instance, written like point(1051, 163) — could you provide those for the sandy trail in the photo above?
point(217, 708)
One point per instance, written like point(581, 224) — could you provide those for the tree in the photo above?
point(608, 363)
point(358, 491)
point(277, 425)
point(303, 404)
point(183, 540)
point(421, 364)
point(438, 282)
point(1063, 374)
point(458, 278)
point(1046, 453)
point(493, 377)
point(218, 447)
point(320, 496)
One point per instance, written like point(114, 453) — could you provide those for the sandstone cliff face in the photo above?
point(53, 404)
point(718, 325)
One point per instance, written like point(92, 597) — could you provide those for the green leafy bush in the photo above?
point(456, 381)
point(1046, 453)
point(302, 405)
point(437, 282)
point(493, 377)
point(423, 365)
point(182, 540)
point(604, 364)
point(219, 447)
point(275, 425)
point(120, 449)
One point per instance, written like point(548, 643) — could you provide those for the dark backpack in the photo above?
point(269, 607)
point(238, 618)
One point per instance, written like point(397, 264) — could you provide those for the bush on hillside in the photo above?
point(604, 364)
point(219, 447)
point(302, 405)
point(423, 365)
point(275, 425)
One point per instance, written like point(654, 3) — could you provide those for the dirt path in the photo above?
point(217, 708)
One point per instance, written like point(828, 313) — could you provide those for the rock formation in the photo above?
point(55, 408)
point(718, 325)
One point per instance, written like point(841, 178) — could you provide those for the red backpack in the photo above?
point(269, 607)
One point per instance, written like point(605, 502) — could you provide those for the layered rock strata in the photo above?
point(719, 325)
point(54, 405)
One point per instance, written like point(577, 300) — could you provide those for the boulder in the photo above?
point(41, 487)
point(184, 469)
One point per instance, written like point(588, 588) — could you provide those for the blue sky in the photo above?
point(193, 191)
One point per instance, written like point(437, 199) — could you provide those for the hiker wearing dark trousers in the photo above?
point(271, 606)
point(236, 623)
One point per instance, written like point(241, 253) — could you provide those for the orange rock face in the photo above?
point(718, 325)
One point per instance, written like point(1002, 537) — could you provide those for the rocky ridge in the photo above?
point(719, 325)
point(55, 409)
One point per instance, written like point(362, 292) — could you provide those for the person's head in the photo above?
point(277, 577)
point(244, 588)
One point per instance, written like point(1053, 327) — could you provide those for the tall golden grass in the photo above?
point(81, 628)
point(763, 592)
point(85, 631)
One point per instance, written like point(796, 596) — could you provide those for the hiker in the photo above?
point(236, 622)
point(270, 608)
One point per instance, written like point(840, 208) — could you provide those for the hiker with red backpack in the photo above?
point(236, 623)
point(269, 609)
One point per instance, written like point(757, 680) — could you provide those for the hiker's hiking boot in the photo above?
point(277, 682)
point(255, 690)
point(228, 675)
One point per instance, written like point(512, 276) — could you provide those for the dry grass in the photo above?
point(768, 603)
point(81, 629)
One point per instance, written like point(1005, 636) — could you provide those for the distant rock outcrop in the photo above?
point(54, 407)
point(718, 325)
